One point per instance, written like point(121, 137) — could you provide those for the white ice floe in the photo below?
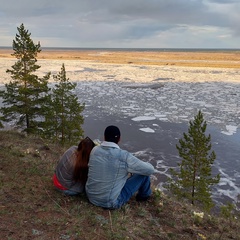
point(147, 129)
point(230, 130)
point(160, 115)
point(164, 119)
point(143, 118)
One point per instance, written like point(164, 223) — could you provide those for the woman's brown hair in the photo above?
point(82, 158)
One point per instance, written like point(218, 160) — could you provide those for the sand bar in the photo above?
point(224, 59)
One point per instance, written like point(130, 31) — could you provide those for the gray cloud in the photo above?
point(224, 1)
point(124, 23)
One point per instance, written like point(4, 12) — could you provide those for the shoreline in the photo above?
point(206, 59)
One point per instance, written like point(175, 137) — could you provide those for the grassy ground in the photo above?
point(30, 208)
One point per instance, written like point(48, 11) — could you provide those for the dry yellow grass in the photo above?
point(192, 59)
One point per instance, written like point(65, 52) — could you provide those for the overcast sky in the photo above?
point(124, 23)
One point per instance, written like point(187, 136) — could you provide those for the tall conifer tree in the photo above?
point(25, 95)
point(64, 120)
point(194, 180)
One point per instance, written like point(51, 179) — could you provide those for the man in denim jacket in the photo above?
point(109, 184)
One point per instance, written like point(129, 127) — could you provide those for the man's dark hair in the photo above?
point(112, 134)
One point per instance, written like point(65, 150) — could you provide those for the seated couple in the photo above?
point(103, 172)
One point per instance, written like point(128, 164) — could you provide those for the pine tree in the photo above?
point(194, 180)
point(26, 93)
point(64, 119)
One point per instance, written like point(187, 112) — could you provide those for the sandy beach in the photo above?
point(225, 59)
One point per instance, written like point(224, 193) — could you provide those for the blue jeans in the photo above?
point(136, 183)
point(67, 192)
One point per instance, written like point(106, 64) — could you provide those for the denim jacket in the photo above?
point(108, 172)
